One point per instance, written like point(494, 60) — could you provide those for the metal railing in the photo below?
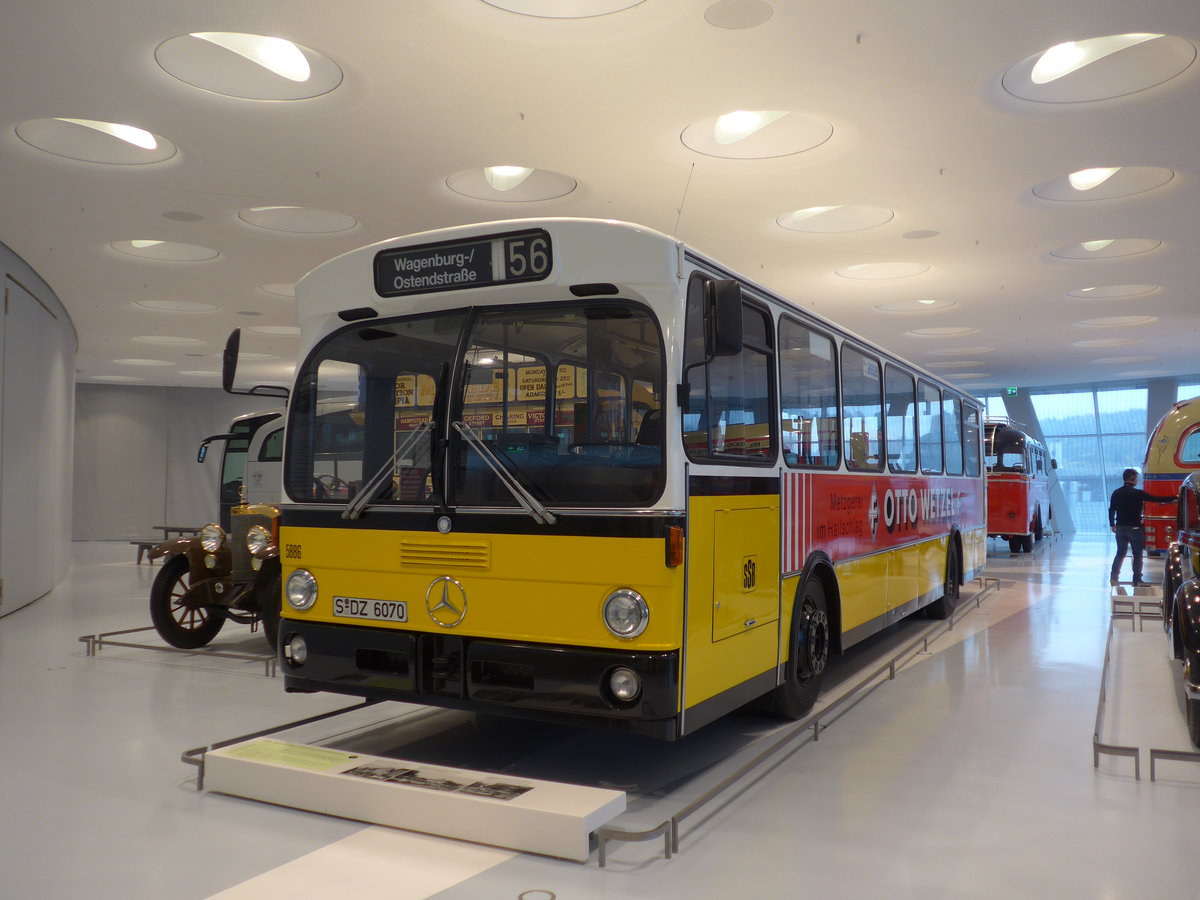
point(96, 642)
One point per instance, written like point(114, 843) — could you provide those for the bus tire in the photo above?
point(1193, 721)
point(1014, 545)
point(808, 653)
point(944, 606)
point(1027, 543)
point(179, 625)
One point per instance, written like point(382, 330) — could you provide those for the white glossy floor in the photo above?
point(969, 776)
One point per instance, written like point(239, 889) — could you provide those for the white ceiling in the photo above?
point(920, 125)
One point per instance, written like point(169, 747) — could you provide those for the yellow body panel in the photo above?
point(539, 588)
point(732, 627)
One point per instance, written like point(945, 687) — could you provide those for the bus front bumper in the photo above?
point(549, 682)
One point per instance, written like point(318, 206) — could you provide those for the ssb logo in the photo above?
point(749, 572)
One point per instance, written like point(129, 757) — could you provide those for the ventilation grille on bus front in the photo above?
point(422, 553)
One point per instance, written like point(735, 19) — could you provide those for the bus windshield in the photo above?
point(567, 398)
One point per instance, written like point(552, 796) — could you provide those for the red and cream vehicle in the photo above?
point(1172, 452)
point(1018, 484)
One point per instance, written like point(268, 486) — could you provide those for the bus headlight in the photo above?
point(212, 537)
point(626, 613)
point(257, 540)
point(624, 684)
point(301, 590)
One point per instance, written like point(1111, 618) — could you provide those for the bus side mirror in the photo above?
point(202, 453)
point(723, 315)
point(229, 360)
point(1054, 463)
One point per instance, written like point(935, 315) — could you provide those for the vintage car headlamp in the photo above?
point(212, 537)
point(257, 540)
point(301, 589)
point(626, 613)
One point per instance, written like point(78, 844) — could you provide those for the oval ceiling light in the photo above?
point(89, 140)
point(1107, 248)
point(278, 330)
point(117, 379)
point(916, 306)
point(943, 331)
point(735, 14)
point(1107, 342)
point(1099, 68)
point(1118, 322)
point(175, 306)
point(959, 364)
point(835, 219)
point(168, 251)
point(144, 362)
point(279, 290)
point(511, 184)
point(248, 66)
point(756, 134)
point(1103, 183)
point(200, 374)
point(297, 219)
point(166, 339)
point(1114, 291)
point(960, 351)
point(882, 270)
point(1122, 360)
point(563, 9)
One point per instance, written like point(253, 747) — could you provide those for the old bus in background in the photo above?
point(592, 476)
point(1018, 484)
point(1172, 452)
point(252, 459)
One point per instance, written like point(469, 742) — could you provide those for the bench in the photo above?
point(143, 545)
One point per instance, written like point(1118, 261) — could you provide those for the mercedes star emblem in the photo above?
point(446, 601)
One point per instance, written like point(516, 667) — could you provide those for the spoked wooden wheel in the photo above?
point(179, 625)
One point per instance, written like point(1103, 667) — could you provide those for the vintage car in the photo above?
point(217, 576)
point(1181, 597)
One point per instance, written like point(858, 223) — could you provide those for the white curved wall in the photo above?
point(37, 398)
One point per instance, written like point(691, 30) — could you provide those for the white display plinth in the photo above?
point(526, 814)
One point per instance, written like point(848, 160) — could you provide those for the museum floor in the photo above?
point(968, 776)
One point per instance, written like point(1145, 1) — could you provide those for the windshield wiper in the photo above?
point(355, 507)
point(527, 501)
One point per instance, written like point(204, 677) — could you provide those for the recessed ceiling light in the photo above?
point(1144, 373)
point(1122, 360)
point(179, 306)
point(735, 14)
point(200, 374)
point(920, 234)
point(834, 219)
point(563, 9)
point(958, 364)
point(166, 339)
point(1099, 68)
point(537, 184)
point(1103, 183)
point(756, 134)
point(245, 354)
point(960, 351)
point(1118, 322)
point(144, 362)
point(178, 215)
point(116, 378)
point(248, 66)
point(1107, 342)
point(1105, 249)
point(882, 270)
point(249, 312)
point(89, 140)
point(168, 251)
point(958, 375)
point(1113, 291)
point(279, 290)
point(916, 306)
point(944, 331)
point(276, 329)
point(297, 219)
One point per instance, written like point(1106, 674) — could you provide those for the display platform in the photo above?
point(546, 817)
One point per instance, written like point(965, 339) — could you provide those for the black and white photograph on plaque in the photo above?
point(498, 790)
point(416, 779)
point(380, 773)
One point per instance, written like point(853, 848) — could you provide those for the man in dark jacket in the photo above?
point(1125, 519)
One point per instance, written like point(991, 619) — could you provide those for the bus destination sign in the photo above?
point(500, 259)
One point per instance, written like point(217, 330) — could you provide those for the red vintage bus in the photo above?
point(1172, 452)
point(1018, 484)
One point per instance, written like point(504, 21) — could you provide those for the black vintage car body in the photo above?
point(1181, 597)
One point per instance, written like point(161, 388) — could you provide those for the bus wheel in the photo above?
point(943, 607)
point(268, 613)
point(1193, 720)
point(1038, 531)
point(808, 655)
point(179, 625)
point(1027, 543)
point(1014, 545)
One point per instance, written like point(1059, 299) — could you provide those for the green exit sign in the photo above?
point(1012, 392)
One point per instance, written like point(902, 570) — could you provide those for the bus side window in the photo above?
point(862, 409)
point(929, 414)
point(971, 441)
point(901, 390)
point(808, 396)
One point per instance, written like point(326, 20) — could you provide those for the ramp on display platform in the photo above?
point(539, 787)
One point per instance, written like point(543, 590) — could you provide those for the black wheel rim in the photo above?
point(812, 642)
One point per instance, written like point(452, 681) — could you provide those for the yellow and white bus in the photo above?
point(590, 475)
